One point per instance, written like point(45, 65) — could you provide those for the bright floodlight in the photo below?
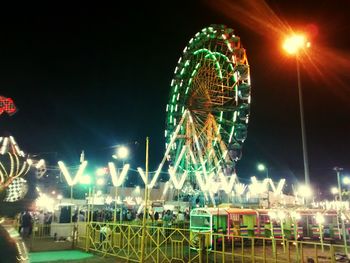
point(261, 167)
point(85, 179)
point(334, 190)
point(346, 180)
point(295, 215)
point(100, 181)
point(59, 197)
point(294, 43)
point(319, 218)
point(305, 191)
point(108, 200)
point(122, 152)
point(101, 171)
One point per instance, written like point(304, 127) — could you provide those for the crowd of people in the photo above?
point(167, 217)
point(27, 219)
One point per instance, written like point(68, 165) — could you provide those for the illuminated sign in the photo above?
point(7, 105)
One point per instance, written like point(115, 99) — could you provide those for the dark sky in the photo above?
point(91, 77)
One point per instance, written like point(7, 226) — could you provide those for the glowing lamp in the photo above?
point(272, 214)
point(346, 180)
point(334, 190)
point(122, 152)
point(86, 179)
point(294, 43)
point(261, 167)
point(319, 218)
point(100, 181)
point(101, 171)
point(305, 191)
point(281, 215)
point(295, 215)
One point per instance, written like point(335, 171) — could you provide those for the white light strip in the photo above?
point(178, 185)
point(227, 186)
point(142, 174)
point(173, 137)
point(4, 145)
point(40, 163)
point(67, 175)
point(118, 181)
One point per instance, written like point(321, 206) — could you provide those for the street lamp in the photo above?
point(71, 181)
point(334, 190)
point(346, 180)
point(122, 153)
point(305, 192)
point(338, 170)
point(261, 167)
point(293, 45)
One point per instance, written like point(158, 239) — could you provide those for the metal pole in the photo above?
point(295, 228)
point(92, 205)
point(302, 123)
point(283, 239)
point(338, 169)
point(121, 197)
point(121, 206)
point(268, 190)
point(87, 234)
point(142, 259)
point(88, 206)
point(272, 237)
point(71, 201)
point(115, 205)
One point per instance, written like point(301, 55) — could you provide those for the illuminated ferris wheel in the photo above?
point(208, 108)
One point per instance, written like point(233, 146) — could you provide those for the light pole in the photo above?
point(261, 167)
point(121, 154)
point(305, 192)
point(72, 181)
point(337, 170)
point(293, 45)
point(334, 191)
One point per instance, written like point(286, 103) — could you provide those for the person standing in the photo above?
point(26, 224)
point(156, 216)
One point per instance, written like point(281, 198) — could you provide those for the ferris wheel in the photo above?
point(208, 108)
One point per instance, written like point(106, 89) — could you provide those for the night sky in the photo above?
point(92, 77)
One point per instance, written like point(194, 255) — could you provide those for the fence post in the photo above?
point(223, 248)
point(253, 248)
point(158, 242)
point(87, 236)
point(200, 248)
point(332, 254)
point(128, 240)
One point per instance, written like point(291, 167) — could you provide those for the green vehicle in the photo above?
point(204, 222)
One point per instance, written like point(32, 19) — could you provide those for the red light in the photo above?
point(7, 105)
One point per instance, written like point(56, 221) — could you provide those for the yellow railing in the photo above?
point(182, 245)
point(124, 241)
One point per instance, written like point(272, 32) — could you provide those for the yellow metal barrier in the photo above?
point(180, 245)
